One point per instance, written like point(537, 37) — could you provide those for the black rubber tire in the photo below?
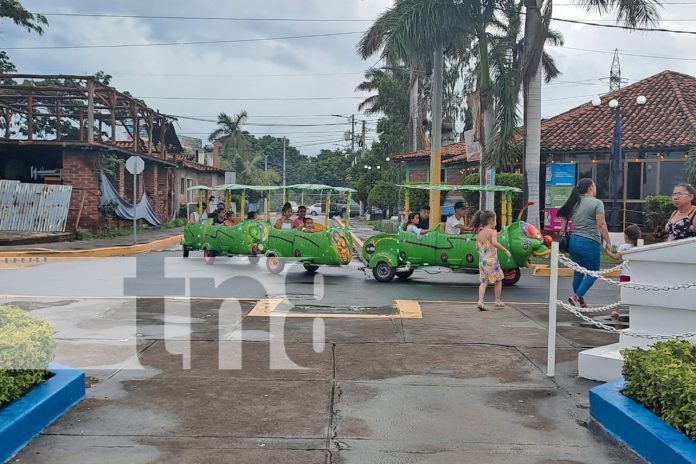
point(404, 275)
point(313, 213)
point(208, 256)
point(311, 268)
point(383, 273)
point(274, 264)
point(185, 252)
point(254, 260)
point(513, 280)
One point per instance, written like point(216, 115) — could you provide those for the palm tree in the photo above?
point(414, 31)
point(631, 13)
point(373, 79)
point(236, 152)
point(507, 48)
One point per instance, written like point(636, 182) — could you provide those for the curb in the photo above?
point(29, 415)
point(106, 252)
point(641, 430)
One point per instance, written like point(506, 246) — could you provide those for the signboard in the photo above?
point(473, 148)
point(560, 181)
point(135, 165)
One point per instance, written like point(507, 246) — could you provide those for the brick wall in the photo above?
point(454, 176)
point(418, 175)
point(80, 170)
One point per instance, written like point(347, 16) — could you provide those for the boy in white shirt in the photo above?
point(455, 223)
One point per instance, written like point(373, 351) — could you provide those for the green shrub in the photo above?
point(507, 179)
point(26, 348)
point(657, 211)
point(663, 379)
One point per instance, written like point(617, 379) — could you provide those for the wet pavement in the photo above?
point(201, 381)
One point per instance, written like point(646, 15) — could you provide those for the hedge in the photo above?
point(507, 179)
point(26, 348)
point(663, 379)
point(658, 209)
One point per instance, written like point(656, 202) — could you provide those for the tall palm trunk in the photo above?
point(413, 111)
point(532, 148)
point(487, 116)
point(533, 29)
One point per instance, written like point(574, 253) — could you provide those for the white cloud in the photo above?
point(241, 70)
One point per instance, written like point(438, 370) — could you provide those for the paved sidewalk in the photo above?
point(457, 386)
point(143, 237)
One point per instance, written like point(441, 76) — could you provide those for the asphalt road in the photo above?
point(168, 274)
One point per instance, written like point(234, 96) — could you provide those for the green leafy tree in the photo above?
point(384, 195)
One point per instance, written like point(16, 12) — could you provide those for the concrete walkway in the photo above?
point(457, 386)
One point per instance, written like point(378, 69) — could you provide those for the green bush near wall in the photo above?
point(663, 379)
point(658, 208)
point(26, 348)
point(507, 179)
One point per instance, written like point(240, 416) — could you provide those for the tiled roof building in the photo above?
point(655, 139)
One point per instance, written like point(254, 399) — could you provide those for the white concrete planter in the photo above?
point(652, 312)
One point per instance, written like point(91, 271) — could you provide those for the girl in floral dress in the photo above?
point(489, 267)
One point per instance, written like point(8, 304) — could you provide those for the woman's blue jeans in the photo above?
point(586, 253)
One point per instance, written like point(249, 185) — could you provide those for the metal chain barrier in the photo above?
point(579, 313)
point(591, 309)
point(600, 276)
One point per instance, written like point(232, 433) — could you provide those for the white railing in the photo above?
point(556, 259)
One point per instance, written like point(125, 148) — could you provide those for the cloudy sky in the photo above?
point(301, 81)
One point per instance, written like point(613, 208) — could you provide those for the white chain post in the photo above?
point(553, 299)
point(578, 312)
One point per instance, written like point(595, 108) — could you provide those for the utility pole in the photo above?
point(284, 196)
point(352, 134)
point(436, 133)
point(364, 135)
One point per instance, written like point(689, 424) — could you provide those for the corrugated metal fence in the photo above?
point(33, 207)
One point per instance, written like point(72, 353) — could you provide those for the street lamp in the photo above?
point(616, 165)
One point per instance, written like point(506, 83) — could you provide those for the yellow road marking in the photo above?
point(268, 307)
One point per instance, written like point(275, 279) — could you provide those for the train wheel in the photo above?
point(404, 275)
point(383, 273)
point(512, 276)
point(274, 264)
point(311, 268)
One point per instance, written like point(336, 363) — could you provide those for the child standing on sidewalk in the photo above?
point(631, 236)
point(489, 267)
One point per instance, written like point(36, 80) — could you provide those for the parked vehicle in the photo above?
point(315, 209)
point(340, 207)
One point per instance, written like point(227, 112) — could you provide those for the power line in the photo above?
point(626, 53)
point(212, 18)
point(629, 28)
point(200, 42)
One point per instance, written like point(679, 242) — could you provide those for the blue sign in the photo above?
point(560, 174)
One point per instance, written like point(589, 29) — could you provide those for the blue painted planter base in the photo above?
point(26, 417)
point(641, 430)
